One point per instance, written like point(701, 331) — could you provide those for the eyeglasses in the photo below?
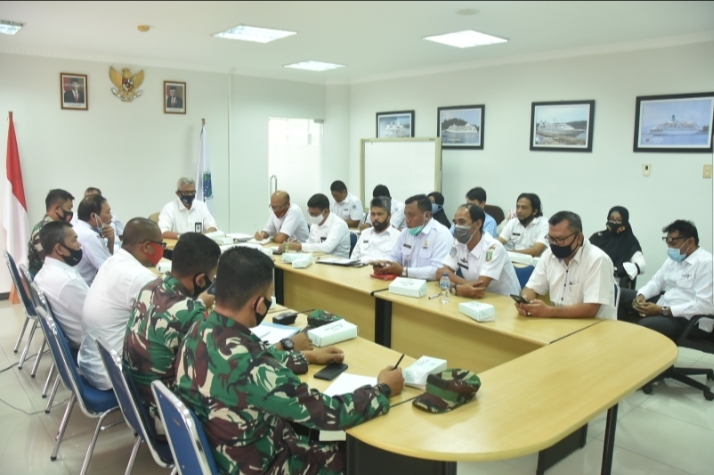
point(277, 208)
point(673, 240)
point(560, 241)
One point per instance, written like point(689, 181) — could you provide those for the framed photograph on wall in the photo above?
point(398, 124)
point(563, 126)
point(461, 127)
point(73, 91)
point(174, 97)
point(674, 123)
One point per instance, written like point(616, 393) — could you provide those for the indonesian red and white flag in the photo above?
point(15, 219)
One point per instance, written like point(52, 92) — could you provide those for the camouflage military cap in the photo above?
point(318, 318)
point(448, 390)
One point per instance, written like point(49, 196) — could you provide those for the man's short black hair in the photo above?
point(338, 186)
point(57, 197)
point(53, 233)
point(438, 197)
point(194, 254)
point(535, 202)
point(685, 227)
point(475, 212)
point(92, 189)
point(242, 273)
point(381, 190)
point(574, 222)
point(318, 201)
point(383, 202)
point(476, 194)
point(90, 204)
point(422, 202)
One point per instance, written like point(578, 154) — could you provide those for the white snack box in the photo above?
point(408, 287)
point(332, 333)
point(303, 261)
point(289, 257)
point(481, 312)
point(163, 266)
point(520, 258)
point(415, 375)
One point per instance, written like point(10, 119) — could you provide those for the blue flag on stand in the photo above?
point(204, 187)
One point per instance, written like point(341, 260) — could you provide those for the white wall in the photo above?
point(336, 148)
point(587, 183)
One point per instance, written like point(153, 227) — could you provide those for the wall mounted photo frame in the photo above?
point(562, 126)
point(74, 91)
point(674, 123)
point(174, 97)
point(461, 127)
point(397, 124)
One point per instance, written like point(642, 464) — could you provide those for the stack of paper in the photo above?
point(344, 384)
point(338, 261)
point(273, 333)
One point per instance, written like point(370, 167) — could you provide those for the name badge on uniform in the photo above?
point(365, 242)
point(464, 266)
point(515, 234)
point(407, 246)
point(426, 245)
point(198, 227)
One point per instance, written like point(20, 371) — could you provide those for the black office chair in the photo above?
point(683, 374)
point(353, 242)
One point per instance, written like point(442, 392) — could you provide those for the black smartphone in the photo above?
point(277, 252)
point(519, 299)
point(211, 290)
point(285, 318)
point(331, 371)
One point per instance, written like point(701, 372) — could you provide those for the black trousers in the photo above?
point(625, 311)
point(673, 327)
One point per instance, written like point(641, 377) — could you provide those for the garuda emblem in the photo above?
point(126, 85)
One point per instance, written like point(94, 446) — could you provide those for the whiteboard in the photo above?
point(407, 167)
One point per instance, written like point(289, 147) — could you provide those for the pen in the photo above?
point(433, 296)
point(400, 360)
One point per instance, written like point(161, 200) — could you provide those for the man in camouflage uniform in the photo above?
point(58, 207)
point(248, 401)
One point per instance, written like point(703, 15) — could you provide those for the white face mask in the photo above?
point(316, 219)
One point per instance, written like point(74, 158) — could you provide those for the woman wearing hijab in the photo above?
point(619, 242)
point(437, 208)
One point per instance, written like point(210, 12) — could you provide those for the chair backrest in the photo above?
point(496, 213)
point(523, 274)
point(353, 242)
point(187, 439)
point(21, 289)
point(29, 281)
point(154, 217)
point(55, 338)
point(131, 405)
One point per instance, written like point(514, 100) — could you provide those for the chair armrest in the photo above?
point(693, 323)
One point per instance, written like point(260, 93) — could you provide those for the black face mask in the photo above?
point(379, 227)
point(613, 227)
point(75, 255)
point(66, 215)
point(199, 289)
point(561, 252)
point(258, 317)
point(187, 199)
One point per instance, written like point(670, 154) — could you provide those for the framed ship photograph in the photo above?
point(398, 124)
point(73, 91)
point(461, 127)
point(174, 97)
point(674, 123)
point(563, 126)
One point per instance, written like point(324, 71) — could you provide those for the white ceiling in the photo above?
point(374, 39)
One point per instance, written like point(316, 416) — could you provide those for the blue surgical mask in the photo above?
point(435, 208)
point(675, 254)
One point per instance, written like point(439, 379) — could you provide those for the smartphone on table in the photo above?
point(331, 371)
point(519, 299)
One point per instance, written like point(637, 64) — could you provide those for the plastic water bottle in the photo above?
point(445, 286)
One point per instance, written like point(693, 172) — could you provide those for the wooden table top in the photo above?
point(538, 330)
point(530, 403)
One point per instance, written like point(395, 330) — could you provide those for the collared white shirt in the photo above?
point(94, 251)
point(373, 246)
point(292, 224)
point(687, 287)
point(397, 219)
point(65, 290)
point(331, 237)
point(424, 253)
point(106, 312)
point(349, 208)
point(587, 279)
point(518, 237)
point(489, 259)
point(176, 218)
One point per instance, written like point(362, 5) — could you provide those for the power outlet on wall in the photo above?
point(646, 169)
point(707, 172)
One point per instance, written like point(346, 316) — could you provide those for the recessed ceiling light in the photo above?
point(10, 27)
point(466, 39)
point(467, 11)
point(314, 66)
point(253, 33)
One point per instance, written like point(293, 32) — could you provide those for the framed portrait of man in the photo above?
point(174, 97)
point(74, 91)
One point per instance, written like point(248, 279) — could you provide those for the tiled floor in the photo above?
point(668, 433)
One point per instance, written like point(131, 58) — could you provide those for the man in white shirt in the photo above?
point(525, 234)
point(63, 286)
point(184, 214)
point(285, 222)
point(328, 233)
point(578, 275)
point(376, 243)
point(477, 196)
point(483, 260)
point(397, 211)
point(422, 247)
point(94, 234)
point(346, 206)
point(686, 281)
point(114, 293)
point(116, 223)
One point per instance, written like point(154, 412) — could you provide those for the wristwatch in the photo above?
point(665, 311)
point(384, 389)
point(288, 344)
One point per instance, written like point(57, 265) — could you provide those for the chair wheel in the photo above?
point(708, 395)
point(53, 458)
point(647, 389)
